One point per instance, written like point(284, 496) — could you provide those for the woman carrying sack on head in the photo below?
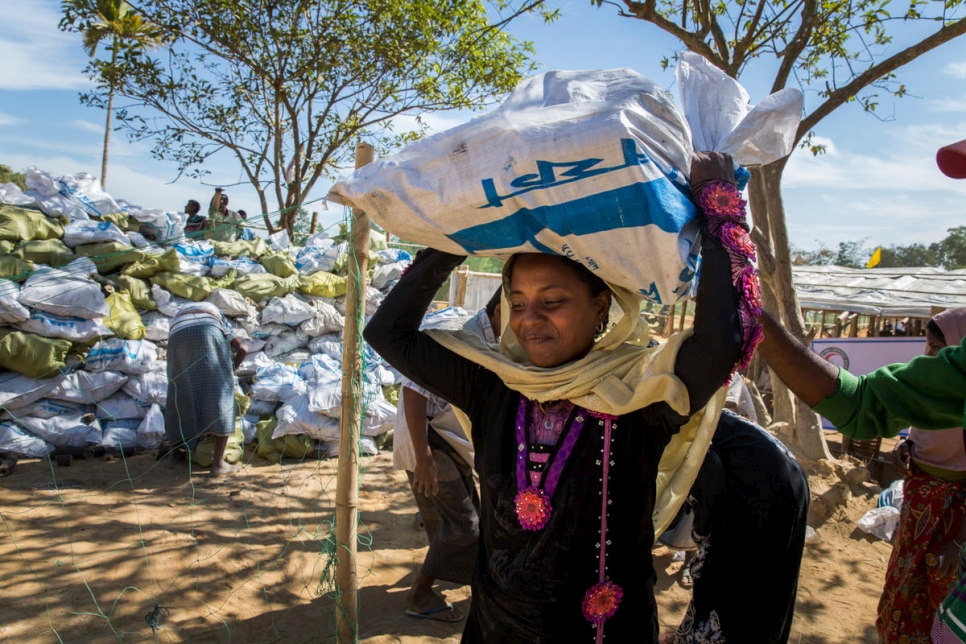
point(569, 422)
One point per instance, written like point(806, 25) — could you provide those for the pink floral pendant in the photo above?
point(533, 508)
point(600, 602)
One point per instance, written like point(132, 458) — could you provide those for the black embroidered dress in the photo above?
point(529, 585)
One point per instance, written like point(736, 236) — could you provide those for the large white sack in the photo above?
point(128, 356)
point(64, 293)
point(253, 362)
point(288, 310)
point(242, 265)
point(120, 406)
point(48, 408)
point(88, 386)
point(325, 320)
point(148, 388)
point(380, 417)
point(753, 135)
point(388, 274)
point(74, 329)
point(279, 240)
point(374, 300)
point(151, 429)
point(85, 231)
point(277, 382)
point(166, 302)
point(285, 342)
point(11, 310)
point(262, 408)
point(158, 225)
point(18, 391)
point(16, 441)
point(121, 433)
point(323, 379)
point(320, 255)
point(232, 303)
point(591, 165)
point(75, 196)
point(156, 326)
point(296, 418)
point(68, 430)
point(10, 193)
point(195, 257)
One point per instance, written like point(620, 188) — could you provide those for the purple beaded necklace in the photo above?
point(533, 500)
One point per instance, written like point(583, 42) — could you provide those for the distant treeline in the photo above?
point(949, 253)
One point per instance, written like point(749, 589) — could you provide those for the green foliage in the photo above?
point(127, 35)
point(949, 253)
point(289, 87)
point(7, 175)
point(953, 248)
point(484, 264)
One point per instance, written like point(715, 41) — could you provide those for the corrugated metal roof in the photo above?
point(891, 292)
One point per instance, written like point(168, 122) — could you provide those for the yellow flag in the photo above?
point(876, 258)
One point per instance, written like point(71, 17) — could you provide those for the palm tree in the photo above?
point(113, 21)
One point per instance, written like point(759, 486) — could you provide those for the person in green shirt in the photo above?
point(928, 392)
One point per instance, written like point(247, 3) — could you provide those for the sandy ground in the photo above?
point(97, 551)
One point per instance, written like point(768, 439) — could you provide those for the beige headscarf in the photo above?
point(619, 375)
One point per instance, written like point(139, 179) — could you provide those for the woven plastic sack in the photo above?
point(18, 391)
point(279, 263)
point(157, 225)
point(192, 287)
point(11, 310)
point(140, 291)
point(167, 262)
point(273, 449)
point(323, 284)
point(79, 330)
point(241, 265)
point(32, 355)
point(88, 386)
point(66, 430)
point(123, 317)
point(254, 248)
point(232, 303)
point(109, 256)
point(65, 293)
point(122, 220)
point(591, 165)
point(204, 454)
point(51, 252)
point(289, 310)
point(75, 196)
point(14, 440)
point(258, 287)
point(120, 406)
point(127, 356)
point(20, 224)
point(85, 231)
point(14, 267)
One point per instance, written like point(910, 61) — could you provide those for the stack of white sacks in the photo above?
point(98, 388)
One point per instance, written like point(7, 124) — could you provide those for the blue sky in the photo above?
point(878, 183)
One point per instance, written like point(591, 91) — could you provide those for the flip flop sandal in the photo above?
point(444, 613)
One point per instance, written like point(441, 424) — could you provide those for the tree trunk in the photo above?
point(110, 116)
point(803, 430)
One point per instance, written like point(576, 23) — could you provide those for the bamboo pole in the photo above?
point(350, 422)
point(315, 222)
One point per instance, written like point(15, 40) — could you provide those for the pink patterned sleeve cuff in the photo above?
point(724, 210)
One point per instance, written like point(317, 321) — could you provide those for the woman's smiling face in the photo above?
point(553, 313)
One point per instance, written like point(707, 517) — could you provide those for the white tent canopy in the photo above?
point(884, 292)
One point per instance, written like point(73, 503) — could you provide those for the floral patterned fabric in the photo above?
point(932, 511)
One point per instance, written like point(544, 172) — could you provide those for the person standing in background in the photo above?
point(433, 449)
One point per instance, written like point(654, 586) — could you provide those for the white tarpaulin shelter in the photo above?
point(884, 292)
